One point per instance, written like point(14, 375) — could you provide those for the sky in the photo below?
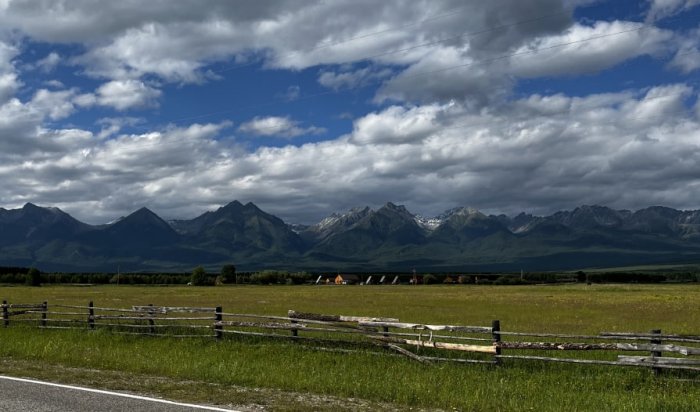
point(309, 107)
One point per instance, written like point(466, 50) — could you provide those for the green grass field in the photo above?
point(289, 376)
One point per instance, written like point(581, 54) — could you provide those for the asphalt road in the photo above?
point(24, 395)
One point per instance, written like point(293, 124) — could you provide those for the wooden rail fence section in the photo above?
point(425, 343)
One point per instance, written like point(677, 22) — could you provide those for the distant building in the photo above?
point(347, 279)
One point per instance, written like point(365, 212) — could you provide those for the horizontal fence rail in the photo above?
point(425, 343)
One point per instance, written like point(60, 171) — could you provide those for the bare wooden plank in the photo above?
point(418, 326)
point(150, 327)
point(458, 360)
point(346, 325)
point(654, 360)
point(439, 345)
point(58, 327)
point(565, 360)
point(567, 336)
point(685, 350)
point(336, 318)
point(94, 307)
point(267, 325)
point(162, 335)
point(592, 362)
point(407, 353)
point(147, 317)
point(50, 312)
point(22, 312)
point(170, 309)
point(25, 306)
point(645, 336)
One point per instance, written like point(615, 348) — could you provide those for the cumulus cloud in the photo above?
point(687, 56)
point(626, 149)
point(349, 79)
point(446, 74)
point(49, 62)
point(585, 49)
point(440, 144)
point(122, 95)
point(291, 94)
point(397, 124)
point(9, 82)
point(128, 40)
point(112, 125)
point(55, 104)
point(278, 126)
point(660, 9)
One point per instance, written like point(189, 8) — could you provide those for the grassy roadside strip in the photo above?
point(254, 374)
point(228, 396)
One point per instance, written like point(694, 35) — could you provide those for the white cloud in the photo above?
point(112, 125)
point(627, 149)
point(442, 145)
point(660, 9)
point(278, 126)
point(55, 104)
point(49, 62)
point(122, 95)
point(687, 57)
point(291, 94)
point(396, 125)
point(129, 40)
point(444, 75)
point(56, 84)
point(349, 79)
point(686, 60)
point(9, 82)
point(588, 49)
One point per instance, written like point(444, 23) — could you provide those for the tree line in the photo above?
point(228, 275)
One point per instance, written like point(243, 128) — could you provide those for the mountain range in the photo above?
point(390, 238)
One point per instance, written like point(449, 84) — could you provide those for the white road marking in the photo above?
point(123, 395)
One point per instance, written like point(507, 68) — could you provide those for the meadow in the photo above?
point(284, 375)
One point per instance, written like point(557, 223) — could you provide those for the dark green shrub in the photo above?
point(33, 277)
point(199, 277)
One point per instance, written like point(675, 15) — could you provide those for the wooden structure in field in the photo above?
point(347, 279)
point(425, 343)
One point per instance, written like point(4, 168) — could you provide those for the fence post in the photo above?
point(654, 354)
point(295, 332)
point(496, 336)
point(91, 315)
point(218, 318)
point(151, 322)
point(385, 329)
point(44, 309)
point(5, 315)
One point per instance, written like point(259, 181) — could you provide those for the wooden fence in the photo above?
point(422, 342)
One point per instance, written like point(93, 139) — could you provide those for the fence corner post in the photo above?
point(218, 326)
point(5, 315)
point(656, 341)
point(44, 309)
point(496, 336)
